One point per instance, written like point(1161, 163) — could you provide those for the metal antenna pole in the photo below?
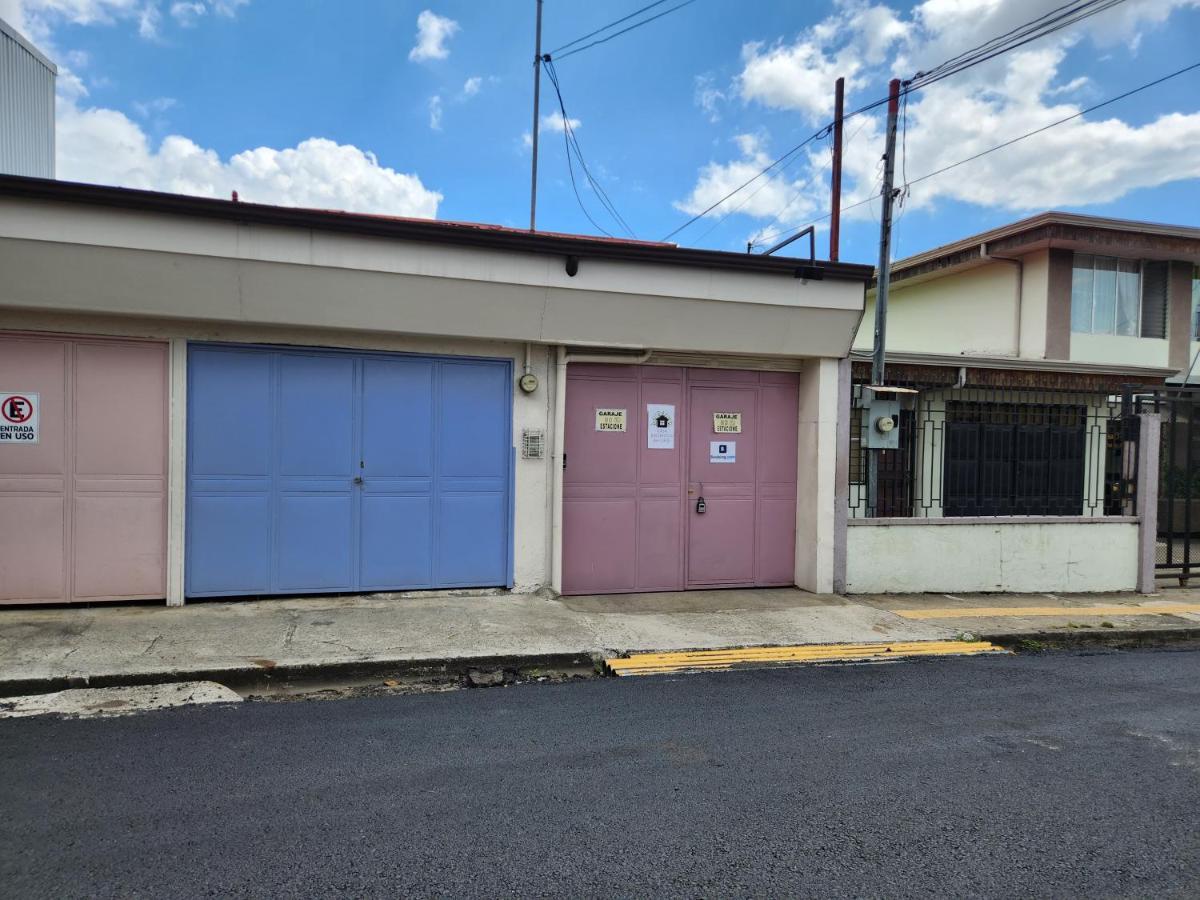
point(878, 363)
point(537, 95)
point(835, 204)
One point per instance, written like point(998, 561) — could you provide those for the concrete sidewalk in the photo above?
point(49, 649)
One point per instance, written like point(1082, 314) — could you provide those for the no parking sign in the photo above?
point(19, 417)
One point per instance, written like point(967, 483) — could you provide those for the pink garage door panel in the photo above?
point(629, 510)
point(622, 502)
point(721, 541)
point(95, 484)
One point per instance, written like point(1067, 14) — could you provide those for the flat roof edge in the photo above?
point(432, 230)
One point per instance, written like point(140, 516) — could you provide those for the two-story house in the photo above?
point(1020, 345)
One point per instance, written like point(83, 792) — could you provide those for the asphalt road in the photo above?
point(1047, 775)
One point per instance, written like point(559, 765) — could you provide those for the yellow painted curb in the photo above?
point(752, 657)
point(1148, 609)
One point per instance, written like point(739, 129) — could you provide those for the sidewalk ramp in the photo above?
point(807, 654)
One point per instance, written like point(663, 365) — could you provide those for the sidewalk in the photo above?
point(48, 649)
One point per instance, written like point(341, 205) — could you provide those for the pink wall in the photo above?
point(83, 511)
point(629, 515)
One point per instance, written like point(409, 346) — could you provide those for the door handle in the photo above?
point(358, 479)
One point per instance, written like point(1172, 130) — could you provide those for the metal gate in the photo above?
point(1178, 550)
point(323, 471)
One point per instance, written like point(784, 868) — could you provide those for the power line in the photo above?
point(625, 30)
point(1011, 141)
point(571, 143)
point(1043, 25)
point(744, 184)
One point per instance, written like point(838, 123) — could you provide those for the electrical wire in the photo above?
point(1011, 141)
point(571, 143)
point(607, 38)
point(1046, 24)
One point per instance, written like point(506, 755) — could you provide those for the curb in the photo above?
point(1112, 639)
point(251, 676)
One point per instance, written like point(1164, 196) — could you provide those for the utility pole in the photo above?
point(835, 205)
point(537, 92)
point(878, 363)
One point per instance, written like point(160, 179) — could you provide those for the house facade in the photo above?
point(1019, 345)
point(206, 398)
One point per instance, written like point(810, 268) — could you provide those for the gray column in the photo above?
point(1149, 434)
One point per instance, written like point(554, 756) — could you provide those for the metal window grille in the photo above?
point(987, 451)
point(533, 443)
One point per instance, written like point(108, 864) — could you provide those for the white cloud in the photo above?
point(37, 18)
point(188, 12)
point(157, 106)
point(432, 33)
point(708, 97)
point(556, 123)
point(103, 146)
point(1091, 159)
point(472, 86)
point(435, 112)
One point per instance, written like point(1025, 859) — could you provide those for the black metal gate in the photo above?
point(1178, 551)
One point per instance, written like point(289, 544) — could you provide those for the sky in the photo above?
point(425, 109)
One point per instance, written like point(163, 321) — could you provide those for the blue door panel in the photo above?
point(316, 415)
point(397, 426)
point(229, 544)
point(468, 552)
point(473, 419)
point(397, 542)
point(316, 542)
point(327, 471)
point(230, 392)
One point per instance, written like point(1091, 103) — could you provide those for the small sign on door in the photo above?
point(727, 423)
point(19, 414)
point(660, 426)
point(608, 419)
point(722, 452)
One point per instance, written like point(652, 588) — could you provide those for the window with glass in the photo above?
point(1105, 295)
point(1118, 296)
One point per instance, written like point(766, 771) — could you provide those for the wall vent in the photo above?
point(533, 444)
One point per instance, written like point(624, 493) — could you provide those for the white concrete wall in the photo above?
point(815, 481)
point(972, 312)
point(1116, 349)
point(1017, 556)
point(70, 257)
point(1035, 294)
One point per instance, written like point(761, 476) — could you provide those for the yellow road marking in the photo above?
point(716, 660)
point(1148, 609)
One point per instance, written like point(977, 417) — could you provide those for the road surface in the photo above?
point(1038, 775)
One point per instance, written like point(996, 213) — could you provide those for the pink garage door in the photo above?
point(83, 507)
point(642, 448)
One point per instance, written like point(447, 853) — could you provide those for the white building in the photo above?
point(26, 107)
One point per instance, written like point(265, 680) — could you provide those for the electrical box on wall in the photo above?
point(533, 444)
point(880, 421)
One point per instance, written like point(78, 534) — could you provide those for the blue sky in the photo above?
point(206, 96)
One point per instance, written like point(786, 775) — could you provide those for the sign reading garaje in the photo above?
point(727, 423)
point(19, 414)
point(609, 419)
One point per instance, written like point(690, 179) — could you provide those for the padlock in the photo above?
point(701, 506)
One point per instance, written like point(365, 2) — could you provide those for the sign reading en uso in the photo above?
point(19, 417)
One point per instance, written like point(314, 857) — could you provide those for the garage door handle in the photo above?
point(358, 479)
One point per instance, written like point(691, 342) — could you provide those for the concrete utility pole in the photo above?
point(878, 362)
point(835, 203)
point(537, 92)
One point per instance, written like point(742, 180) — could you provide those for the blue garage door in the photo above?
point(323, 471)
